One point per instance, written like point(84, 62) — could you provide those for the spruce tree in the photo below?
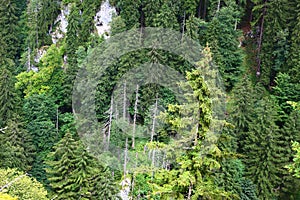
point(9, 27)
point(74, 174)
point(16, 146)
point(8, 97)
point(72, 44)
point(262, 150)
point(222, 38)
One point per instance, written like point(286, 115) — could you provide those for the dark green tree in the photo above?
point(222, 38)
point(8, 97)
point(263, 151)
point(17, 149)
point(74, 174)
point(9, 27)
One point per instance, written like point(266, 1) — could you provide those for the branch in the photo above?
point(10, 183)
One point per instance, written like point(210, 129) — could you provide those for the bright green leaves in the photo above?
point(48, 80)
point(20, 185)
point(294, 168)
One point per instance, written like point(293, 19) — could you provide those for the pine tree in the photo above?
point(263, 151)
point(8, 98)
point(17, 150)
point(222, 38)
point(74, 174)
point(274, 49)
point(9, 27)
point(294, 54)
point(192, 176)
point(72, 44)
point(40, 116)
point(285, 91)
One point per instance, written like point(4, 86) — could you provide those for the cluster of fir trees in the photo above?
point(249, 161)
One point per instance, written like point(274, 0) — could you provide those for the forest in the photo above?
point(150, 99)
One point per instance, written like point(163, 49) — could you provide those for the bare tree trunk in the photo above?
point(125, 157)
point(135, 115)
point(29, 59)
point(183, 26)
point(199, 9)
point(11, 182)
point(110, 121)
point(219, 5)
point(235, 25)
point(153, 163)
point(57, 120)
point(124, 101)
point(204, 9)
point(116, 111)
point(154, 119)
point(190, 192)
point(260, 39)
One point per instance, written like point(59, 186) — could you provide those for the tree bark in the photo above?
point(258, 71)
point(154, 119)
point(110, 121)
point(135, 115)
point(124, 101)
point(125, 158)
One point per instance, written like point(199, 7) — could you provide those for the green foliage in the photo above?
point(48, 80)
point(16, 146)
point(41, 15)
point(263, 152)
point(6, 197)
point(74, 174)
point(20, 185)
point(285, 91)
point(9, 27)
point(222, 38)
point(294, 168)
point(193, 174)
point(8, 97)
point(40, 114)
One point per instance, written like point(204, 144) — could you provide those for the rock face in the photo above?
point(103, 18)
point(62, 22)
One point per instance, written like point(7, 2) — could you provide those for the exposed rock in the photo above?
point(62, 22)
point(103, 18)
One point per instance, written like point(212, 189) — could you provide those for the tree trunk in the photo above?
point(110, 121)
point(154, 119)
point(183, 26)
point(125, 158)
point(124, 101)
point(135, 115)
point(258, 71)
point(219, 5)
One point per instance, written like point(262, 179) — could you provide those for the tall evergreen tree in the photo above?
point(8, 97)
point(263, 151)
point(9, 27)
point(74, 174)
point(222, 37)
point(17, 150)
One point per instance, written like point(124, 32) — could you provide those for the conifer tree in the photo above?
point(16, 146)
point(222, 38)
point(72, 44)
point(8, 96)
point(74, 174)
point(9, 27)
point(294, 54)
point(193, 174)
point(262, 149)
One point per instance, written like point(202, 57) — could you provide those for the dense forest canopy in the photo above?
point(150, 99)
